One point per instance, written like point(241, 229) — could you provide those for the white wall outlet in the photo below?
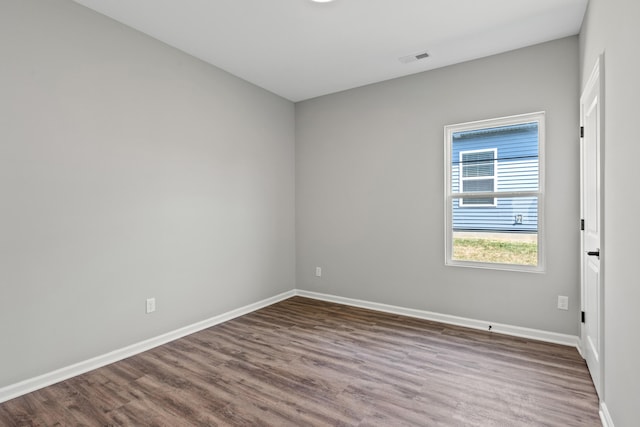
point(151, 305)
point(318, 272)
point(563, 302)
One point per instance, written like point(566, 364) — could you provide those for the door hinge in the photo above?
point(582, 225)
point(582, 316)
point(581, 131)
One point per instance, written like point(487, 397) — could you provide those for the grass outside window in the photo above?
point(496, 248)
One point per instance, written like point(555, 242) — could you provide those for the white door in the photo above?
point(592, 255)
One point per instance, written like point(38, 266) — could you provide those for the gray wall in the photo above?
point(129, 170)
point(612, 27)
point(369, 188)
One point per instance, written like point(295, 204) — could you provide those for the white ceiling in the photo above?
point(299, 49)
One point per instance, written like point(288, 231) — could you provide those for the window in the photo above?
point(478, 173)
point(495, 194)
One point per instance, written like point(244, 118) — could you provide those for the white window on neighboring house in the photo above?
point(494, 193)
point(478, 174)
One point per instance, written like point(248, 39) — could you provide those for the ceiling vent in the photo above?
point(414, 57)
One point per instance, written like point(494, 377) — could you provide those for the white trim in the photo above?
point(516, 331)
point(605, 416)
point(27, 386)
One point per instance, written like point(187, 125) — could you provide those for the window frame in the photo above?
point(449, 196)
point(461, 178)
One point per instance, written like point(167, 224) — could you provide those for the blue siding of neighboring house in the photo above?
point(517, 169)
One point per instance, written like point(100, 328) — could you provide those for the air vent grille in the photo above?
point(414, 57)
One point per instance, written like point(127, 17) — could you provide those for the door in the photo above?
point(591, 103)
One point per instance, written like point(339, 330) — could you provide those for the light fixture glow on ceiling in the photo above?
point(321, 1)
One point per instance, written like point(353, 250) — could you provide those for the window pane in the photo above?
point(510, 214)
point(480, 201)
point(477, 185)
point(516, 149)
point(507, 234)
point(478, 164)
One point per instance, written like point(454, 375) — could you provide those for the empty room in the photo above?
point(319, 213)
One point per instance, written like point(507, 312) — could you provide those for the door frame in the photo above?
point(596, 76)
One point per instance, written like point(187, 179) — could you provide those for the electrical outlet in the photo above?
point(318, 272)
point(563, 302)
point(151, 305)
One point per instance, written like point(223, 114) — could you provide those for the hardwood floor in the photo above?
point(312, 363)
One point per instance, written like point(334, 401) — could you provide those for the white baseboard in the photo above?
point(579, 347)
point(517, 331)
point(605, 416)
point(27, 386)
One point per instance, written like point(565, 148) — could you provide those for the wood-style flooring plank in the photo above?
point(313, 363)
